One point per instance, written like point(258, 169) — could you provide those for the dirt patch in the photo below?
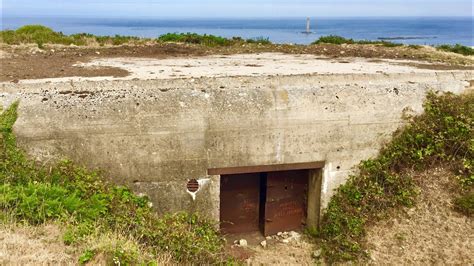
point(40, 245)
point(298, 253)
point(430, 233)
point(29, 62)
point(287, 248)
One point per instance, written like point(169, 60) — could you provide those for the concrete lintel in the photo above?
point(264, 168)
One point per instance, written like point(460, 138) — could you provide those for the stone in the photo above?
point(286, 241)
point(317, 253)
point(263, 244)
point(294, 236)
point(268, 238)
point(279, 233)
point(242, 242)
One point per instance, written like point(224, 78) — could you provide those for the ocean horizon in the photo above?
point(406, 30)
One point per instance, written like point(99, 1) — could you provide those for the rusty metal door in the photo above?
point(239, 203)
point(285, 204)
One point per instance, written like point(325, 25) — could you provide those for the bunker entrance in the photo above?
point(269, 202)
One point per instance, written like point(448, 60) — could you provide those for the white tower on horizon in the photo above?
point(308, 28)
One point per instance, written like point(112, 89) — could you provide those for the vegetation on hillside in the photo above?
point(42, 35)
point(208, 40)
point(334, 39)
point(442, 135)
point(90, 209)
point(458, 48)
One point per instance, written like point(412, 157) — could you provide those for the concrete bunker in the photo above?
point(269, 199)
point(175, 140)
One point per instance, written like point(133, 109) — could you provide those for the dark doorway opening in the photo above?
point(269, 202)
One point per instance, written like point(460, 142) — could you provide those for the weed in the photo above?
point(86, 256)
point(443, 134)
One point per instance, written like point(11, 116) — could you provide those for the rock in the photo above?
point(279, 233)
point(242, 242)
point(317, 253)
point(97, 53)
point(286, 241)
point(268, 238)
point(343, 52)
point(263, 244)
point(294, 234)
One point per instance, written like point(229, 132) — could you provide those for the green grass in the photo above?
point(86, 205)
point(334, 39)
point(443, 134)
point(458, 48)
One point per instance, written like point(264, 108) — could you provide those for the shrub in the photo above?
point(194, 38)
point(458, 48)
point(42, 35)
point(83, 201)
point(334, 39)
point(442, 134)
point(259, 40)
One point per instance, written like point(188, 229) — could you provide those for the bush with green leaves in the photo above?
point(442, 135)
point(83, 201)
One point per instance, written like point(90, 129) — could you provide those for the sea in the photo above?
point(407, 30)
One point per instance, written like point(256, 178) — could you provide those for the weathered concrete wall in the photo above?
point(155, 135)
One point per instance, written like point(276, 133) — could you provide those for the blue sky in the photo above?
point(235, 8)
